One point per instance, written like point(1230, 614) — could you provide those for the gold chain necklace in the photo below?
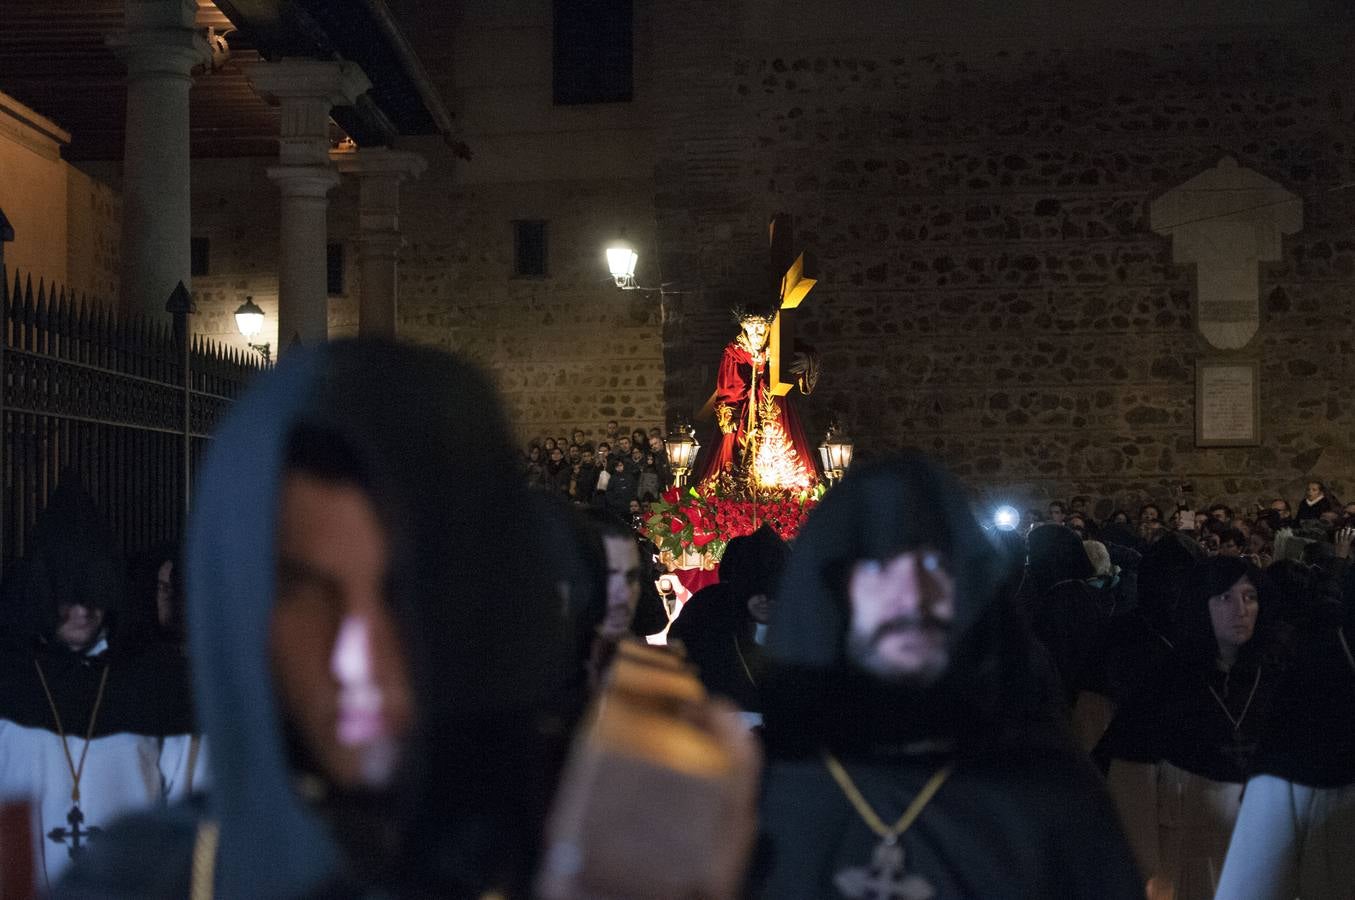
point(885, 876)
point(743, 662)
point(1237, 722)
point(77, 772)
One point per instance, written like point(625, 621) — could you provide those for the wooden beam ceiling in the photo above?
point(54, 58)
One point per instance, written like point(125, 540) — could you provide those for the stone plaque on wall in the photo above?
point(1227, 404)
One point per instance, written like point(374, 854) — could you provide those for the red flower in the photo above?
point(675, 525)
point(671, 496)
point(702, 540)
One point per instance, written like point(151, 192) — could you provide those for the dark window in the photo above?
point(529, 248)
point(201, 254)
point(334, 269)
point(593, 51)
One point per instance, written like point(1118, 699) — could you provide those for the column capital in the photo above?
point(379, 161)
point(337, 83)
point(306, 89)
point(160, 39)
point(303, 181)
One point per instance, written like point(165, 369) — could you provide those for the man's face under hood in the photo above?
point(78, 625)
point(890, 571)
point(901, 610)
point(337, 659)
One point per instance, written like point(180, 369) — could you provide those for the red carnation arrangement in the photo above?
point(703, 520)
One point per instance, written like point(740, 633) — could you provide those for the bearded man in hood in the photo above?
point(909, 749)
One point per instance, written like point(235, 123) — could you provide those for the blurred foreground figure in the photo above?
point(95, 712)
point(907, 754)
point(375, 665)
point(658, 799)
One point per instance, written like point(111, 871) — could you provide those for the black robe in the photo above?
point(1023, 815)
point(1309, 735)
point(718, 638)
point(1174, 710)
point(1021, 821)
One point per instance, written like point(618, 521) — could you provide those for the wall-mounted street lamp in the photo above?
point(249, 320)
point(621, 260)
point(681, 446)
point(835, 453)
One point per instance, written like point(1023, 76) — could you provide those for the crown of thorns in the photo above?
point(761, 313)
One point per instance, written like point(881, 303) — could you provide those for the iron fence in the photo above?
point(104, 396)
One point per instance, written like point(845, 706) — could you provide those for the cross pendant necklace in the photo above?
point(1239, 751)
point(75, 818)
point(1236, 721)
point(886, 877)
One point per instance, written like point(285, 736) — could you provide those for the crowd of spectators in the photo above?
point(1317, 526)
point(617, 472)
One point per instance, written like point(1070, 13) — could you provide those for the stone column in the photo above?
point(161, 49)
point(306, 90)
point(379, 171)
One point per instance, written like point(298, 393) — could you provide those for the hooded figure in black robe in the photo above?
point(1067, 614)
point(1295, 831)
point(1138, 645)
point(1022, 815)
point(483, 625)
point(717, 627)
point(1176, 712)
point(1183, 740)
point(125, 690)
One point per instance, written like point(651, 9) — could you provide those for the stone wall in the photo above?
point(93, 235)
point(990, 290)
point(566, 350)
point(236, 208)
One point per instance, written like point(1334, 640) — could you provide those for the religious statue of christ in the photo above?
point(761, 443)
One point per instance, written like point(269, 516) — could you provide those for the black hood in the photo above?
point(1056, 554)
point(1209, 578)
point(815, 696)
point(753, 564)
point(483, 627)
point(1120, 536)
point(72, 560)
point(1163, 574)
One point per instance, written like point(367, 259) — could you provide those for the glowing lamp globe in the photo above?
point(1006, 518)
point(681, 446)
point(836, 453)
point(249, 318)
point(621, 260)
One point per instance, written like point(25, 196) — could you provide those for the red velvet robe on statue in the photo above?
point(733, 384)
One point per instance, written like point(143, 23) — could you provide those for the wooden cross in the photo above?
point(75, 818)
point(793, 277)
